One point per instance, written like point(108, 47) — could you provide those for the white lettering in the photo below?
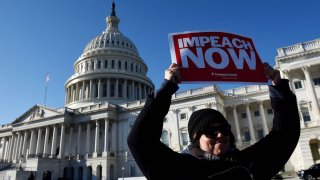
point(226, 42)
point(197, 59)
point(187, 42)
point(246, 45)
point(234, 43)
point(203, 40)
point(224, 58)
point(238, 61)
point(180, 43)
point(214, 41)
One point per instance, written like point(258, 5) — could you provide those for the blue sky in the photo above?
point(39, 37)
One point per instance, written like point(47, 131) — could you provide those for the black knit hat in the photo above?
point(203, 118)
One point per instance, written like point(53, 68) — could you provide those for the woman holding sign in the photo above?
point(212, 153)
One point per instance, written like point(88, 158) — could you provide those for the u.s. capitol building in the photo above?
point(87, 138)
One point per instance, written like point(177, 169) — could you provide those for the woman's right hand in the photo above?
point(173, 73)
point(272, 74)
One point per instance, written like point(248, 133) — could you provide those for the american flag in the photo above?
point(47, 78)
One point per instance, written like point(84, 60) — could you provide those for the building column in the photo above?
point(7, 144)
point(264, 119)
point(70, 141)
point(144, 91)
point(132, 91)
point(38, 149)
point(90, 90)
point(312, 95)
point(236, 122)
point(54, 142)
point(251, 130)
point(96, 142)
point(99, 89)
point(3, 148)
point(24, 144)
point(80, 90)
point(124, 89)
point(1, 138)
point(61, 149)
point(68, 96)
point(116, 94)
point(77, 92)
point(113, 136)
point(177, 145)
point(79, 142)
point(72, 93)
point(191, 110)
point(139, 90)
point(31, 145)
point(7, 159)
point(45, 144)
point(302, 124)
point(106, 142)
point(88, 139)
point(16, 153)
point(108, 88)
point(13, 148)
point(287, 76)
point(20, 147)
point(87, 87)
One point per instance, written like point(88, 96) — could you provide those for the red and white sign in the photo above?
point(216, 56)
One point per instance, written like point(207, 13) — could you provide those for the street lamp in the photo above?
point(125, 158)
point(122, 173)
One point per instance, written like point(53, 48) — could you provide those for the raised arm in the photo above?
point(144, 139)
point(270, 154)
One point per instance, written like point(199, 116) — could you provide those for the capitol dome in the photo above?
point(110, 69)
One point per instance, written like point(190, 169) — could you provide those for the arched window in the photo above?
point(104, 90)
point(120, 90)
point(80, 173)
point(128, 89)
point(105, 64)
point(112, 171)
point(96, 90)
point(119, 64)
point(99, 172)
point(65, 173)
point(112, 64)
point(99, 64)
point(47, 175)
point(71, 173)
point(89, 173)
point(112, 89)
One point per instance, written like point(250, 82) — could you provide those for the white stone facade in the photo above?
point(87, 138)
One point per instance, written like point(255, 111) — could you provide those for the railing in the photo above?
point(196, 91)
point(245, 90)
point(298, 48)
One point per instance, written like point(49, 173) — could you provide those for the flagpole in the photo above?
point(45, 93)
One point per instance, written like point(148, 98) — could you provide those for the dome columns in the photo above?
point(107, 88)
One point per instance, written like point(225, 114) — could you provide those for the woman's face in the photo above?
point(215, 140)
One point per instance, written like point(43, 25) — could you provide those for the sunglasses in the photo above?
point(213, 131)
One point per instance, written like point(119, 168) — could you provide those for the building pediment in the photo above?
point(35, 113)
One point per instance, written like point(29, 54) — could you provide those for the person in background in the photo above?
point(212, 153)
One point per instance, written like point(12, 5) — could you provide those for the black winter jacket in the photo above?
point(260, 161)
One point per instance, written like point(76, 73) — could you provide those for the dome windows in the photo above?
point(105, 64)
